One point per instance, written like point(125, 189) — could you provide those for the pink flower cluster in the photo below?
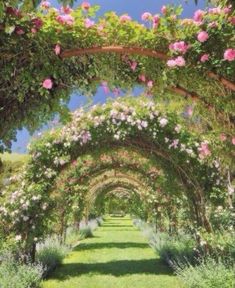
point(65, 19)
point(204, 58)
point(156, 21)
point(125, 18)
point(204, 150)
point(229, 54)
point(180, 46)
point(202, 36)
point(178, 61)
point(57, 49)
point(85, 5)
point(45, 4)
point(89, 23)
point(47, 84)
point(146, 16)
point(66, 9)
point(198, 15)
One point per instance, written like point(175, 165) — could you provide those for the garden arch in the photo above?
point(130, 122)
point(82, 55)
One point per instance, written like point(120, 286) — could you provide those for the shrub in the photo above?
point(208, 274)
point(51, 254)
point(86, 232)
point(16, 275)
point(72, 236)
point(174, 248)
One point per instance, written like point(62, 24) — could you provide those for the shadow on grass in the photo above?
point(115, 268)
point(105, 245)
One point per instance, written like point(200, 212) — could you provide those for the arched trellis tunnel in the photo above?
point(125, 123)
point(118, 52)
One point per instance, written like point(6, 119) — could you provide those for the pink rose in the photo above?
point(34, 30)
point(125, 18)
point(13, 11)
point(216, 10)
point(66, 9)
point(85, 5)
point(47, 83)
point(233, 140)
point(146, 16)
point(198, 15)
point(204, 150)
point(89, 23)
point(142, 77)
point(156, 20)
point(232, 20)
point(133, 65)
point(150, 84)
point(229, 54)
point(19, 31)
point(65, 19)
point(37, 22)
point(227, 10)
point(213, 24)
point(204, 58)
point(202, 36)
point(57, 49)
point(45, 4)
point(171, 63)
point(180, 46)
point(164, 10)
point(180, 61)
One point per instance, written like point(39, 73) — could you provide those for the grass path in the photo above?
point(117, 256)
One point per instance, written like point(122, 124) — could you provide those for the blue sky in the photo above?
point(134, 8)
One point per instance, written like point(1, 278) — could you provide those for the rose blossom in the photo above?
point(133, 65)
point(156, 20)
point(150, 84)
point(142, 77)
point(233, 140)
point(85, 5)
point(229, 54)
point(180, 46)
point(232, 20)
point(146, 16)
point(171, 63)
point(164, 10)
point(45, 4)
point(19, 31)
point(66, 9)
point(37, 22)
point(198, 15)
point(180, 61)
point(204, 58)
point(163, 122)
point(89, 23)
point(125, 18)
point(57, 49)
point(204, 150)
point(65, 19)
point(202, 36)
point(47, 83)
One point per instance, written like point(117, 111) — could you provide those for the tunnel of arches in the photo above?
point(129, 143)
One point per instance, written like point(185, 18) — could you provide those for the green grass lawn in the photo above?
point(117, 256)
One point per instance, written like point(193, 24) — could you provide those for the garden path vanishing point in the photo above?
point(118, 256)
